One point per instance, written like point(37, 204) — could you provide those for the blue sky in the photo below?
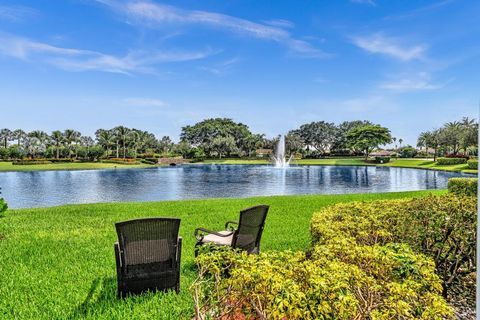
point(274, 65)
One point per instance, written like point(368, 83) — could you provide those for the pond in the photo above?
point(48, 188)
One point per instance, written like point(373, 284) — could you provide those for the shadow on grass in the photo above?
point(102, 292)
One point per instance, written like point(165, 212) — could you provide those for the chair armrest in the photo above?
point(179, 249)
point(199, 233)
point(230, 222)
point(118, 255)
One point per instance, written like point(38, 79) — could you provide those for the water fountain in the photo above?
point(279, 159)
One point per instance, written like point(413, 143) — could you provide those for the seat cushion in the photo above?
point(222, 241)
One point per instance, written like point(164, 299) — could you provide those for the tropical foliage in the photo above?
point(452, 138)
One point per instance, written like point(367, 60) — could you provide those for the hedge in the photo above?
point(442, 227)
point(3, 206)
point(339, 281)
point(472, 164)
point(450, 161)
point(463, 186)
point(382, 159)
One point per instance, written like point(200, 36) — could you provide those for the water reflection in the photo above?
point(38, 189)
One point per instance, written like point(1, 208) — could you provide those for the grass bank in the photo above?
point(58, 263)
point(8, 166)
point(402, 163)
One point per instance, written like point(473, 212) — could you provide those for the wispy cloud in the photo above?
point(389, 46)
point(221, 68)
point(144, 102)
point(281, 23)
point(417, 82)
point(157, 15)
point(369, 2)
point(16, 13)
point(73, 59)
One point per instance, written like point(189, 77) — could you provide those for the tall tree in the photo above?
point(367, 138)
point(121, 134)
point(340, 141)
point(5, 136)
point(72, 137)
point(320, 135)
point(19, 135)
point(106, 139)
point(58, 139)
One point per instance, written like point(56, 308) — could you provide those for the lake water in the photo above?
point(48, 188)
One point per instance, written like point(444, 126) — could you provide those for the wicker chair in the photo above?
point(148, 255)
point(246, 236)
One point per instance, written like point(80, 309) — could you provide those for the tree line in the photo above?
point(453, 138)
point(222, 137)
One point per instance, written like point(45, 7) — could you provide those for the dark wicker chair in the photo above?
point(245, 236)
point(148, 255)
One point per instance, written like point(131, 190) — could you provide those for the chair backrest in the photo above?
point(250, 227)
point(150, 241)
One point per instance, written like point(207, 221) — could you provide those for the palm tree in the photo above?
point(121, 134)
point(400, 142)
point(58, 139)
point(38, 141)
point(395, 142)
point(106, 139)
point(5, 136)
point(71, 139)
point(134, 140)
point(19, 135)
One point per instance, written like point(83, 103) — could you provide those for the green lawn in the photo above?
point(404, 163)
point(58, 263)
point(8, 166)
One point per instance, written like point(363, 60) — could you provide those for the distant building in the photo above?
point(263, 153)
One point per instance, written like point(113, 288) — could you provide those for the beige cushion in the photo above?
point(223, 241)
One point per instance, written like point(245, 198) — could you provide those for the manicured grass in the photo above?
point(8, 166)
point(403, 163)
point(58, 263)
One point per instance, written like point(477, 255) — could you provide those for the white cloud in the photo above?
point(418, 82)
point(143, 102)
point(156, 15)
point(83, 60)
point(281, 23)
point(380, 44)
point(221, 68)
point(16, 13)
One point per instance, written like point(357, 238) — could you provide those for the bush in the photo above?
point(452, 155)
point(450, 161)
point(442, 227)
point(340, 281)
point(407, 152)
point(463, 186)
point(30, 162)
point(382, 159)
point(3, 206)
point(472, 164)
point(62, 160)
point(4, 153)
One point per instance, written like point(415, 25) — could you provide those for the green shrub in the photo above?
point(407, 152)
point(30, 162)
point(382, 159)
point(463, 186)
point(340, 281)
point(450, 161)
point(442, 227)
point(472, 164)
point(3, 206)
